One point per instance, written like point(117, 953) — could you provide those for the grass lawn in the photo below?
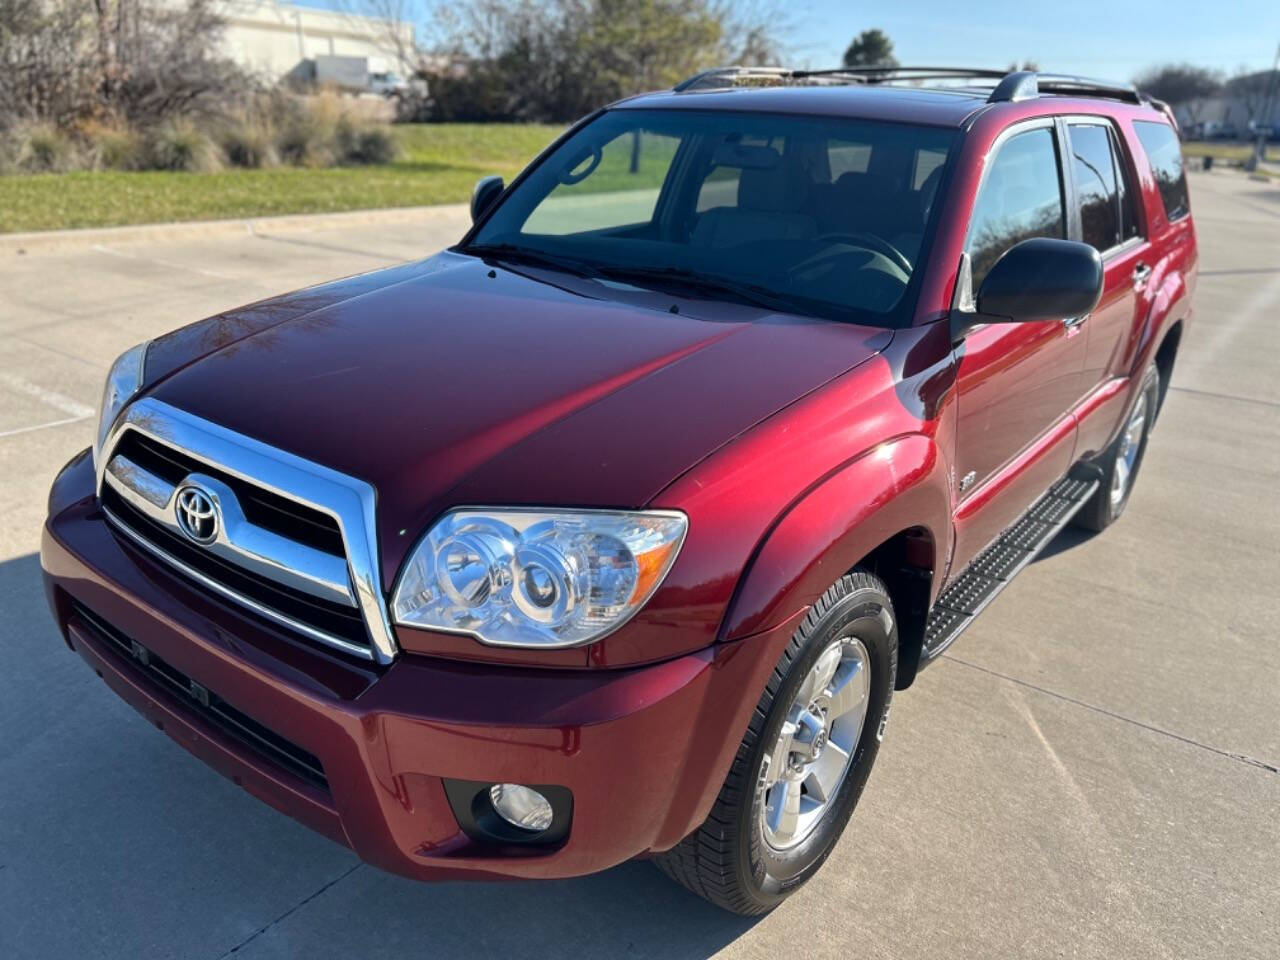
point(1226, 150)
point(440, 164)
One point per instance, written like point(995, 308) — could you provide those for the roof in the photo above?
point(943, 107)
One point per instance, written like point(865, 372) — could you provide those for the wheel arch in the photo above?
point(1165, 355)
point(906, 563)
point(889, 511)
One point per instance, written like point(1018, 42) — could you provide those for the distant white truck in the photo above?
point(357, 75)
point(344, 73)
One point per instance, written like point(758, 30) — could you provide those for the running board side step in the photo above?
point(994, 569)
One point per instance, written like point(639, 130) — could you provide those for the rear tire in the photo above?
point(791, 789)
point(1122, 460)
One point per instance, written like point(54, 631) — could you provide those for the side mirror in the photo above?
point(1036, 280)
point(486, 191)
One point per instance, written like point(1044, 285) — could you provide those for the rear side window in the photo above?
point(845, 156)
point(1104, 188)
point(1020, 198)
point(1129, 226)
point(927, 162)
point(1165, 154)
point(720, 188)
point(1094, 170)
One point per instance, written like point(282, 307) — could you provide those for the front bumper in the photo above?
point(643, 751)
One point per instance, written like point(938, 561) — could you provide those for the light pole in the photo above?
point(1267, 126)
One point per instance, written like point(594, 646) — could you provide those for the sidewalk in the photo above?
point(161, 233)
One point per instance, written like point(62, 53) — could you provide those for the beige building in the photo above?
point(280, 41)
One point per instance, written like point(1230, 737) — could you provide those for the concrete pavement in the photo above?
point(1091, 771)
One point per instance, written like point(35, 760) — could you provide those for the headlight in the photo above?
point(536, 578)
point(123, 381)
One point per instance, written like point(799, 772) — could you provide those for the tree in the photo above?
point(754, 32)
point(170, 61)
point(1181, 84)
point(648, 44)
point(67, 62)
point(556, 60)
point(389, 25)
point(1253, 90)
point(870, 48)
point(47, 63)
point(1026, 65)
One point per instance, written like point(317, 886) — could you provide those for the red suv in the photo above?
point(610, 531)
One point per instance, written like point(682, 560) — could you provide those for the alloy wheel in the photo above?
point(802, 773)
point(1127, 455)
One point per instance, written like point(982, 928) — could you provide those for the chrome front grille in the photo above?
point(290, 540)
point(288, 518)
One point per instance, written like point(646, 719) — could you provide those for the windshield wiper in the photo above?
point(663, 277)
point(534, 258)
point(687, 279)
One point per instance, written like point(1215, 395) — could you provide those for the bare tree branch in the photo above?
point(391, 25)
point(69, 62)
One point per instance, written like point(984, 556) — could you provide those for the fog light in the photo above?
point(520, 806)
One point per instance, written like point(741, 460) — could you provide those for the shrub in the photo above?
point(178, 145)
point(304, 145)
point(115, 148)
point(250, 142)
point(267, 129)
point(307, 128)
point(42, 148)
point(324, 130)
point(361, 143)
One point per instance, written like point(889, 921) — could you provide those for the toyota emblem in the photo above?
point(197, 514)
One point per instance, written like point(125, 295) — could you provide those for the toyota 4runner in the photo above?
point(611, 531)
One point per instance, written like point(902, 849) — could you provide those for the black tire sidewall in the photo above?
point(866, 613)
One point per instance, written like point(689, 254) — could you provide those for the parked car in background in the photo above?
point(611, 531)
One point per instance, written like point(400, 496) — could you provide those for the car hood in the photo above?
point(447, 382)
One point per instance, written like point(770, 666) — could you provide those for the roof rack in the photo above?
point(1011, 86)
point(1026, 85)
point(721, 77)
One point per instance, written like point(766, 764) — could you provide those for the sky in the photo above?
point(1111, 39)
point(1114, 40)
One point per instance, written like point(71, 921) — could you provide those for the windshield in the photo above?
point(823, 216)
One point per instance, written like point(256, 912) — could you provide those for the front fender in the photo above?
point(898, 485)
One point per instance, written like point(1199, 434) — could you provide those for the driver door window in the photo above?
point(1020, 198)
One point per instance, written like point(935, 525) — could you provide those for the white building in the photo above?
point(1230, 112)
point(280, 41)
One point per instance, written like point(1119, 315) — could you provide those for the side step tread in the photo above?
point(993, 569)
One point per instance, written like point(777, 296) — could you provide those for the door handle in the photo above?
point(1140, 274)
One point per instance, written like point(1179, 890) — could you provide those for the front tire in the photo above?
point(805, 758)
point(1122, 460)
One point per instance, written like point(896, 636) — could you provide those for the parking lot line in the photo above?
point(58, 401)
point(43, 426)
point(125, 255)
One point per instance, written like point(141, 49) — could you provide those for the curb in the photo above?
point(12, 244)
